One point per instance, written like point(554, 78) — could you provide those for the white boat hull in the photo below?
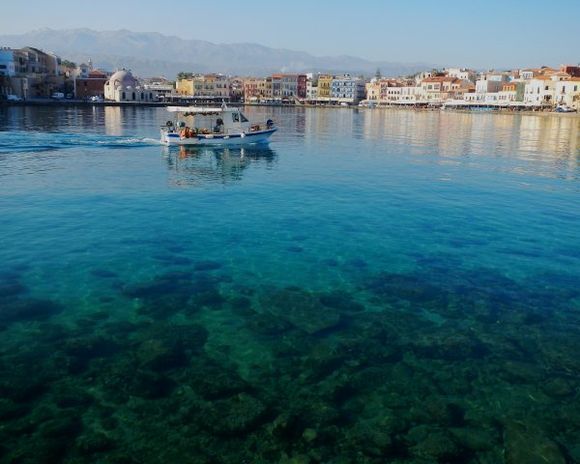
point(172, 138)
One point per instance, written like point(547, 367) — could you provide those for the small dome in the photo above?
point(123, 78)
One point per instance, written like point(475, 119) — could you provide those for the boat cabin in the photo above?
point(194, 121)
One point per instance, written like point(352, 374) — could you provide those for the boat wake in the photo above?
point(29, 142)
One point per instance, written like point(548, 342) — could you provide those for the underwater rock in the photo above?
point(295, 249)
point(241, 305)
point(357, 263)
point(370, 438)
point(433, 443)
point(212, 381)
point(93, 443)
point(10, 410)
point(302, 309)
point(266, 324)
point(309, 435)
point(187, 337)
point(558, 387)
point(160, 355)
point(24, 388)
point(235, 415)
point(156, 288)
point(12, 289)
point(150, 385)
point(341, 301)
point(204, 266)
point(212, 299)
point(529, 445)
point(450, 347)
point(104, 273)
point(83, 350)
point(475, 439)
point(173, 260)
point(64, 426)
point(29, 310)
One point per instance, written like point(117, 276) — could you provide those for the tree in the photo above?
point(184, 75)
point(68, 64)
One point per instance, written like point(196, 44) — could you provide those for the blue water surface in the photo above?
point(372, 286)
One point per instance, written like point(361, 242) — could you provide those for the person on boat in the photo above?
point(219, 126)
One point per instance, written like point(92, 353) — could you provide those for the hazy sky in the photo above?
point(477, 33)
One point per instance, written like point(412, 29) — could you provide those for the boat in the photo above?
point(213, 126)
point(564, 109)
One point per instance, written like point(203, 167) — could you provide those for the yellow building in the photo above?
point(373, 90)
point(324, 86)
point(184, 86)
point(208, 85)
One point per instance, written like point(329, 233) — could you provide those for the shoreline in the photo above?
point(80, 103)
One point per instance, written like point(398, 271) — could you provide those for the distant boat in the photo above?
point(214, 126)
point(564, 109)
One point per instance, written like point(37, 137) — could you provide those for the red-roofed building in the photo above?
point(93, 85)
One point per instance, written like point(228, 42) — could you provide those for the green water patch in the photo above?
point(467, 366)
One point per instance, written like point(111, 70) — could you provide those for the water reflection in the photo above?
point(198, 166)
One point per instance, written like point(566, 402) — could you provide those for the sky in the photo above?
point(474, 33)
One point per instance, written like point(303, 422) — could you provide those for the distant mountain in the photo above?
point(154, 54)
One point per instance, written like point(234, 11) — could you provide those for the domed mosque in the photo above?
point(123, 87)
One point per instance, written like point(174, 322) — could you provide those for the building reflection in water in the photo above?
point(199, 166)
point(550, 141)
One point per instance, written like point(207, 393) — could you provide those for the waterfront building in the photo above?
point(288, 86)
point(163, 88)
point(211, 86)
point(373, 90)
point(7, 63)
point(324, 86)
point(30, 72)
point(511, 92)
point(91, 85)
point(123, 87)
point(539, 91)
point(463, 74)
point(439, 88)
point(573, 71)
point(236, 89)
point(567, 92)
point(347, 89)
point(254, 89)
point(311, 87)
point(422, 76)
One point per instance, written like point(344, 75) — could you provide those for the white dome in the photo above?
point(123, 78)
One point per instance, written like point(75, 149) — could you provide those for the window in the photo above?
point(133, 95)
point(235, 117)
point(123, 96)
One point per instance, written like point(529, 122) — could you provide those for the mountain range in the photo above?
point(150, 54)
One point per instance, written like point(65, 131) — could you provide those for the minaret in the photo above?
point(90, 64)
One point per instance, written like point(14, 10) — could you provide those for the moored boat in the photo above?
point(213, 126)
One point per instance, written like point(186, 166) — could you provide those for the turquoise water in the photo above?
point(372, 286)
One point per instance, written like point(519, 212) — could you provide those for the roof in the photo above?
point(123, 78)
point(200, 109)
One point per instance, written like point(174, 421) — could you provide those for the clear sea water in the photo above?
point(372, 286)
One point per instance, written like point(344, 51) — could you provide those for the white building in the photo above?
point(568, 93)
point(462, 73)
point(7, 67)
point(123, 87)
point(311, 87)
point(347, 89)
point(539, 91)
